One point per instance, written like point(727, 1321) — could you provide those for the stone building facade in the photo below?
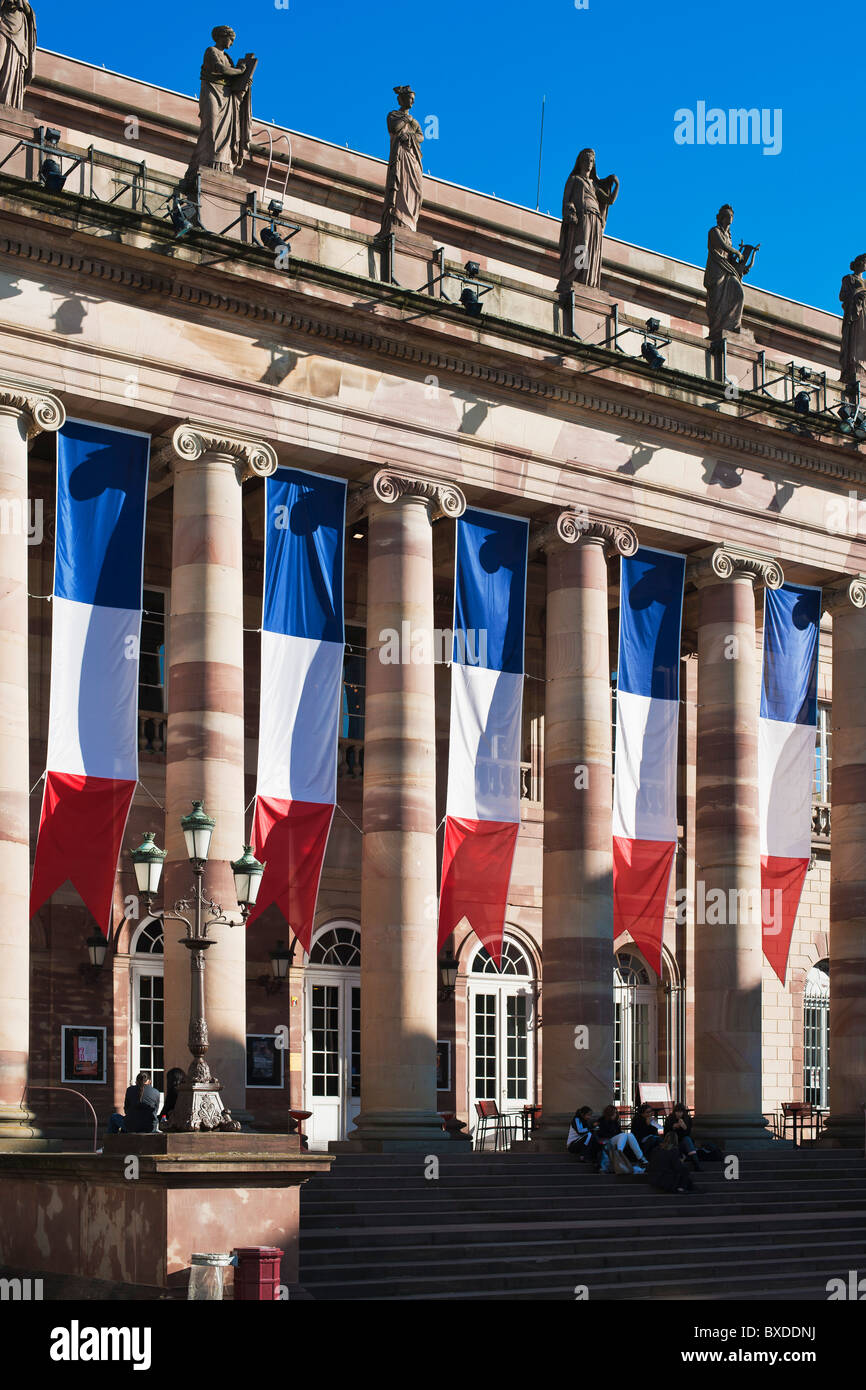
point(110, 315)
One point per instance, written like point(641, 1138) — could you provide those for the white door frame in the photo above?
point(336, 1115)
point(502, 987)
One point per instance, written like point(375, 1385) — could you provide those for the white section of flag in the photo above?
point(484, 753)
point(93, 728)
point(301, 687)
point(786, 761)
point(645, 786)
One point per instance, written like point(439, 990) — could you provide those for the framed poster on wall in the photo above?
point(264, 1060)
point(83, 1054)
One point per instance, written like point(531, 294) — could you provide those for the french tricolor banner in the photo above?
point(786, 759)
point(483, 800)
point(645, 769)
point(301, 690)
point(92, 762)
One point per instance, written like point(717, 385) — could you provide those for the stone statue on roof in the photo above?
point(224, 106)
point(17, 46)
point(404, 184)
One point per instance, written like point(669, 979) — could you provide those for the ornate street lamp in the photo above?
point(199, 1104)
point(448, 968)
point(97, 945)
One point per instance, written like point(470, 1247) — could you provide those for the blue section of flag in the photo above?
point(490, 590)
point(789, 685)
point(305, 516)
point(101, 500)
point(650, 615)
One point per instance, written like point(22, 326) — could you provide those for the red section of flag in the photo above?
point(781, 886)
point(641, 877)
point(290, 838)
point(80, 836)
point(476, 872)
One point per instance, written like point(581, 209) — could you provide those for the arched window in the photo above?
point(149, 940)
point(337, 946)
point(514, 960)
point(816, 1035)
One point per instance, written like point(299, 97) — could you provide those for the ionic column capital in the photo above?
point(193, 439)
point(576, 524)
point(32, 403)
point(390, 486)
point(730, 561)
point(844, 595)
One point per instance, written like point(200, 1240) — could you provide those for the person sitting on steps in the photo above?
point(610, 1130)
point(679, 1123)
point(666, 1171)
point(581, 1140)
point(645, 1130)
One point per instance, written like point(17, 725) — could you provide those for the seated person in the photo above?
point(141, 1106)
point(666, 1171)
point(645, 1129)
point(610, 1130)
point(173, 1078)
point(679, 1122)
point(581, 1140)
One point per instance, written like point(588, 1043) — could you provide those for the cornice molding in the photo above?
point(729, 561)
point(35, 405)
point(361, 339)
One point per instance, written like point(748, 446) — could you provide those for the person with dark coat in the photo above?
point(581, 1140)
point(141, 1106)
point(644, 1130)
point(666, 1171)
point(173, 1078)
point(679, 1122)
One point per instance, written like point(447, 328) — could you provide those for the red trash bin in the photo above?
point(257, 1276)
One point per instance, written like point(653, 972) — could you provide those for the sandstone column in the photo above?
point(728, 946)
point(205, 743)
point(25, 409)
point(847, 605)
point(399, 887)
point(578, 845)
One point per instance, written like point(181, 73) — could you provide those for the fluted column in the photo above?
point(398, 873)
point(847, 606)
point(205, 743)
point(25, 409)
point(728, 944)
point(578, 848)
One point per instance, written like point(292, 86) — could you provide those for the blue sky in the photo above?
point(613, 73)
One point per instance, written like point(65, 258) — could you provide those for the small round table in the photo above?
point(299, 1116)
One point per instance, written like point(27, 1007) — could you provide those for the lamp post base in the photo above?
point(199, 1107)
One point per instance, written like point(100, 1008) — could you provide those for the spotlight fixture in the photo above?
point(51, 176)
point(650, 354)
point(471, 303)
point(804, 374)
point(51, 135)
point(271, 239)
point(803, 402)
point(852, 420)
point(653, 325)
point(184, 215)
point(275, 207)
point(472, 269)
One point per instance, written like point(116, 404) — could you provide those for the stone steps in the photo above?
point(534, 1227)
